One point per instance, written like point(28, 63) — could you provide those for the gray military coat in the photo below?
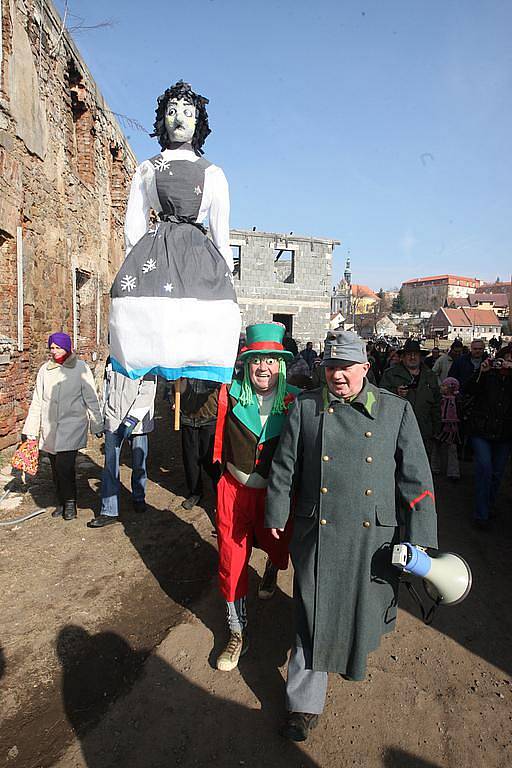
point(356, 472)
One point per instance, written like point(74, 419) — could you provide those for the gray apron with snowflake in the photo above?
point(174, 309)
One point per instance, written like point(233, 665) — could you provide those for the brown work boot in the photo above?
point(238, 644)
point(268, 583)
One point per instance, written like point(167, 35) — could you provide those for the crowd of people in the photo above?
point(325, 457)
point(279, 464)
point(463, 403)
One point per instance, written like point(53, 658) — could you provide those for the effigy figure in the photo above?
point(174, 310)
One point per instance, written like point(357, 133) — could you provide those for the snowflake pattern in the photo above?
point(169, 287)
point(198, 190)
point(128, 283)
point(162, 165)
point(149, 266)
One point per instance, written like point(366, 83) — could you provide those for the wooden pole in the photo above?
point(177, 404)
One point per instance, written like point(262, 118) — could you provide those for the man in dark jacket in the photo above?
point(198, 416)
point(466, 365)
point(352, 459)
point(414, 381)
point(490, 430)
point(444, 363)
point(309, 355)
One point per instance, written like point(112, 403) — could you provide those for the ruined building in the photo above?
point(284, 278)
point(64, 173)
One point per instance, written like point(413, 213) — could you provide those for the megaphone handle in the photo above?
point(426, 616)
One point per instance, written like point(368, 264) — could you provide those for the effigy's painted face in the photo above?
point(180, 120)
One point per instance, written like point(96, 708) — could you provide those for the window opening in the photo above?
point(287, 321)
point(83, 124)
point(84, 311)
point(236, 251)
point(284, 265)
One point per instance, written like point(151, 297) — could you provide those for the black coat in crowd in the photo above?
point(491, 409)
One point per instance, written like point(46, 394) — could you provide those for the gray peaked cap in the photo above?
point(344, 348)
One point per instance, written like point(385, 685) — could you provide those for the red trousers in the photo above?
point(240, 518)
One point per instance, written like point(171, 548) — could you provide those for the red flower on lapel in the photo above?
point(288, 400)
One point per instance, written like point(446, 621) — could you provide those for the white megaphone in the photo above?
point(446, 577)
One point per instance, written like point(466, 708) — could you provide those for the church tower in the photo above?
point(348, 273)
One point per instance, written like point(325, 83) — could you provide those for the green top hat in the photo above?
point(265, 339)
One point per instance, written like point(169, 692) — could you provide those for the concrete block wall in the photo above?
point(262, 294)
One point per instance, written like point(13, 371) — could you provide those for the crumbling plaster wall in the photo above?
point(65, 167)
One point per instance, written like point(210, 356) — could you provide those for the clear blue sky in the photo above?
point(385, 124)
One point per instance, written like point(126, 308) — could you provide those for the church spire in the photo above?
point(348, 273)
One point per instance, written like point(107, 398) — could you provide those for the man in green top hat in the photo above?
point(251, 414)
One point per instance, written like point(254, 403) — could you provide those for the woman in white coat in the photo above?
point(63, 405)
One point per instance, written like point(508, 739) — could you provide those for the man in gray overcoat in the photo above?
point(352, 467)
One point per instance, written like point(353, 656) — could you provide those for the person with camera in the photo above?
point(469, 363)
point(490, 429)
point(414, 381)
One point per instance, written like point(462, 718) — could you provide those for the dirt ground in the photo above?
point(108, 640)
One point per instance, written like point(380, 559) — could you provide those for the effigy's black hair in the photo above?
point(182, 90)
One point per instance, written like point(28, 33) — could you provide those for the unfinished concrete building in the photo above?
point(64, 173)
point(284, 278)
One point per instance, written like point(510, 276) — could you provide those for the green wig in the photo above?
point(247, 392)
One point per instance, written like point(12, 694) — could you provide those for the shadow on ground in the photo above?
point(169, 722)
point(397, 758)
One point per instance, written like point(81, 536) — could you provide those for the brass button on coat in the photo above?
point(368, 492)
point(325, 458)
point(330, 410)
point(323, 522)
point(369, 459)
point(323, 490)
point(366, 524)
point(367, 434)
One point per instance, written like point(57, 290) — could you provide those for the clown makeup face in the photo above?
point(264, 373)
point(180, 120)
point(346, 381)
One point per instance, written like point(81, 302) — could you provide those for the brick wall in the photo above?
point(59, 182)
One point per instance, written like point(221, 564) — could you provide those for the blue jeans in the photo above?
point(110, 475)
point(490, 459)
